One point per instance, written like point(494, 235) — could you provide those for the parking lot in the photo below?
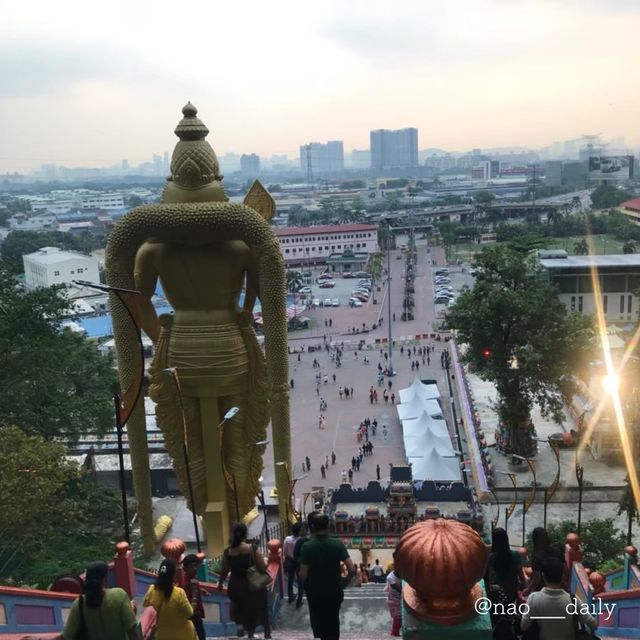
point(457, 280)
point(342, 290)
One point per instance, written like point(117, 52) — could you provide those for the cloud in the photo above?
point(447, 34)
point(34, 69)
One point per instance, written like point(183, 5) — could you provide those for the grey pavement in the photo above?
point(343, 417)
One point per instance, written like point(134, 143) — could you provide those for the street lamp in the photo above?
point(494, 522)
point(580, 480)
point(291, 483)
point(391, 371)
point(260, 495)
point(259, 491)
point(511, 508)
point(526, 505)
point(447, 365)
point(549, 492)
point(229, 477)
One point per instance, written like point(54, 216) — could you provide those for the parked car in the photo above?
point(360, 296)
point(347, 274)
point(304, 290)
point(451, 302)
point(359, 274)
point(325, 276)
point(336, 302)
point(327, 284)
point(442, 270)
point(354, 302)
point(316, 302)
point(328, 302)
point(441, 299)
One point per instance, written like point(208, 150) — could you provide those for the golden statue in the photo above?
point(204, 250)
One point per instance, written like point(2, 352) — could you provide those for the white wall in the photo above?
point(72, 267)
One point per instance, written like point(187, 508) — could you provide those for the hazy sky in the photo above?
point(91, 83)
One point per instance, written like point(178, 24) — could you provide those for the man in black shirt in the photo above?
point(320, 562)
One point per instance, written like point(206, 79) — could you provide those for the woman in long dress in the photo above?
point(248, 608)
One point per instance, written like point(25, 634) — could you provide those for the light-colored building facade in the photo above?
point(50, 266)
point(250, 164)
point(313, 245)
point(618, 275)
point(394, 149)
point(324, 157)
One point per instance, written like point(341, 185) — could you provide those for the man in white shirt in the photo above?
point(548, 608)
point(290, 563)
point(378, 572)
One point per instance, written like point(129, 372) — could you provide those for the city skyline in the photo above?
point(89, 88)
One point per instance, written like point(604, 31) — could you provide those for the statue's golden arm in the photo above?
point(146, 278)
point(253, 286)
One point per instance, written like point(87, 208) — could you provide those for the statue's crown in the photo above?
point(194, 163)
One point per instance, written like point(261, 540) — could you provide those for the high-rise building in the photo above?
point(394, 149)
point(553, 173)
point(250, 164)
point(361, 158)
point(324, 158)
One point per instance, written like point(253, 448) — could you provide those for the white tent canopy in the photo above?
point(417, 407)
point(416, 426)
point(419, 390)
point(433, 466)
point(417, 445)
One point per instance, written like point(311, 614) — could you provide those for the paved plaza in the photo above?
point(343, 416)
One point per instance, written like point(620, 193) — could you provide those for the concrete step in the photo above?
point(363, 614)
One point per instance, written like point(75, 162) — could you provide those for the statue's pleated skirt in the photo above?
point(210, 357)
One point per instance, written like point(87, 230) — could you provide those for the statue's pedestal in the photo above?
point(477, 628)
point(216, 527)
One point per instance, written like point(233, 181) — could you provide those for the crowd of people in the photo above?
point(547, 616)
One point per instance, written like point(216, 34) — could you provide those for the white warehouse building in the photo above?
point(50, 266)
point(314, 245)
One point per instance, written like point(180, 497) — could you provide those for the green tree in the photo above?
point(54, 383)
point(354, 184)
point(60, 520)
point(581, 248)
point(385, 237)
point(629, 246)
point(19, 243)
point(374, 267)
point(134, 201)
point(520, 337)
point(359, 209)
point(484, 197)
point(606, 195)
point(18, 205)
point(602, 542)
point(294, 281)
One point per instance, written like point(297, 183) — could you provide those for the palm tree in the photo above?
point(581, 248)
point(294, 281)
point(629, 246)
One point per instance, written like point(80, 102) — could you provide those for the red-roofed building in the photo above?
point(632, 208)
point(313, 245)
